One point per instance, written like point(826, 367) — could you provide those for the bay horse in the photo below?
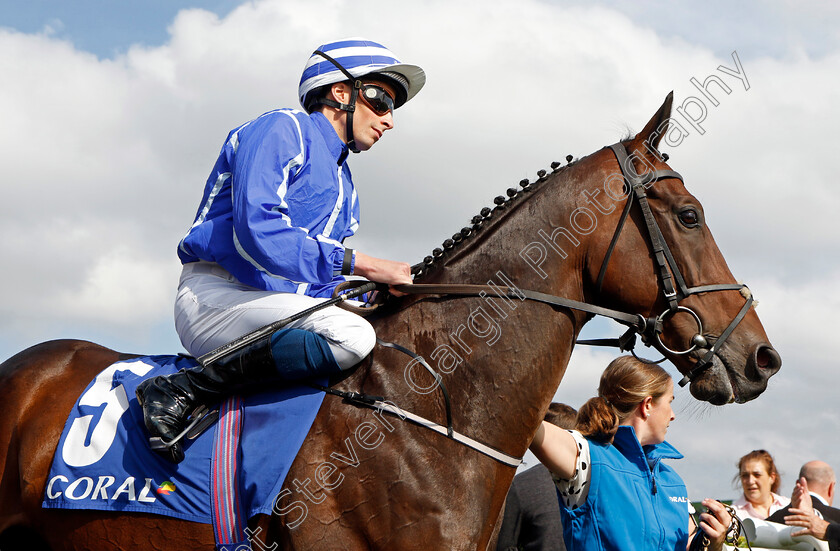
point(364, 480)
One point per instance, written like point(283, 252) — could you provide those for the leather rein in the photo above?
point(649, 329)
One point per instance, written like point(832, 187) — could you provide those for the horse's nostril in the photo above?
point(767, 358)
point(762, 358)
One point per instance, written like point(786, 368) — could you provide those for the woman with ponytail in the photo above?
point(615, 491)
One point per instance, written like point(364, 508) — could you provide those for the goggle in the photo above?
point(377, 99)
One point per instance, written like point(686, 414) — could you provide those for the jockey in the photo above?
point(267, 241)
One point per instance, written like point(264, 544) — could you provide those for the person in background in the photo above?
point(817, 478)
point(531, 519)
point(810, 505)
point(616, 490)
point(760, 482)
point(802, 513)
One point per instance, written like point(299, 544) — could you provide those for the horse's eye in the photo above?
point(689, 218)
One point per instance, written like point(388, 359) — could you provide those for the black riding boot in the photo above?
point(168, 400)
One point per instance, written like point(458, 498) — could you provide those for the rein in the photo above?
point(648, 328)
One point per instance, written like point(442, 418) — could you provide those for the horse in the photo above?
point(541, 263)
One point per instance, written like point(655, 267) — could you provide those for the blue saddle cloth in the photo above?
point(103, 460)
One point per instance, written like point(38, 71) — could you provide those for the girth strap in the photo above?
point(435, 374)
point(379, 403)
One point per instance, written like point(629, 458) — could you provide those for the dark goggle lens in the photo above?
point(377, 99)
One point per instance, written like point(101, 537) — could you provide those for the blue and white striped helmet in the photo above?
point(359, 57)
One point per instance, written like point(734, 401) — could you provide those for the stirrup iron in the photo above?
point(200, 420)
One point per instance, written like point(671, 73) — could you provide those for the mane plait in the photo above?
point(482, 219)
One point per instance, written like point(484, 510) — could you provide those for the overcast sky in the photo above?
point(112, 113)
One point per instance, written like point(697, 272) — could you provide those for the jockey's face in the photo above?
point(368, 125)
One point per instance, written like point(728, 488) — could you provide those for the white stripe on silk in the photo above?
point(354, 224)
point(330, 240)
point(352, 51)
point(254, 263)
point(222, 178)
point(336, 208)
point(295, 162)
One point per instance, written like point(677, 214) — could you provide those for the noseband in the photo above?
point(674, 287)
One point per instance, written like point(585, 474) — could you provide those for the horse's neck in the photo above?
point(511, 368)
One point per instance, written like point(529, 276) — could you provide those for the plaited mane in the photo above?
point(482, 219)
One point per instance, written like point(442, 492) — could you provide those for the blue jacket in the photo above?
point(278, 205)
point(635, 501)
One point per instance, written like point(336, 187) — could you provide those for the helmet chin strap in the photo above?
point(350, 136)
point(349, 107)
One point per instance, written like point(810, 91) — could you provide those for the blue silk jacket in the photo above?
point(278, 205)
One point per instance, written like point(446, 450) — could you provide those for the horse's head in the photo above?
point(698, 316)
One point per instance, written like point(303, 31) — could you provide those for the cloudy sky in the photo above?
point(111, 116)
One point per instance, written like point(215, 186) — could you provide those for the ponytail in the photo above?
point(597, 420)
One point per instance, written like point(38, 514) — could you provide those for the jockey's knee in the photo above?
point(354, 344)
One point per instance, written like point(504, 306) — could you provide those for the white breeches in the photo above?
point(213, 308)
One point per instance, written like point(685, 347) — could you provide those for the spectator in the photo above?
point(802, 514)
point(760, 481)
point(532, 513)
point(616, 489)
point(817, 478)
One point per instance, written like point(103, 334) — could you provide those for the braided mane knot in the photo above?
point(480, 219)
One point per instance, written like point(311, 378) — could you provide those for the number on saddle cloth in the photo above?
point(102, 461)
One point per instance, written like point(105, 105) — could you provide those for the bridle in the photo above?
point(349, 107)
point(649, 329)
point(673, 284)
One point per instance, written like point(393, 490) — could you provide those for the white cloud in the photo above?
point(104, 161)
point(122, 288)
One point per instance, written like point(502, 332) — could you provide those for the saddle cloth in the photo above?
point(103, 460)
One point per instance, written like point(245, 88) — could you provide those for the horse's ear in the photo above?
point(657, 126)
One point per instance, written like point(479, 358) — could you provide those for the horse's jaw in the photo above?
point(715, 385)
point(734, 377)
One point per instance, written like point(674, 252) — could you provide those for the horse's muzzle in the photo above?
point(736, 377)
